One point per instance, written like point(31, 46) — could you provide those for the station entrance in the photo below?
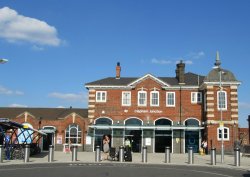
point(163, 137)
point(49, 139)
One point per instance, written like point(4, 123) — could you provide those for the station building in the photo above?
point(153, 111)
point(156, 112)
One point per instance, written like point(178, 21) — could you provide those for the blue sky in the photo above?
point(54, 47)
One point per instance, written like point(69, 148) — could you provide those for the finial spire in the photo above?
point(217, 61)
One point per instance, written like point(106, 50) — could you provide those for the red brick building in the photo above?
point(62, 125)
point(178, 111)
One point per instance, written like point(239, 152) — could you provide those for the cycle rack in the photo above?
point(10, 128)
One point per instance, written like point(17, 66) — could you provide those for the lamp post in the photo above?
point(221, 119)
point(2, 61)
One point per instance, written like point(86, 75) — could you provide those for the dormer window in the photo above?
point(142, 98)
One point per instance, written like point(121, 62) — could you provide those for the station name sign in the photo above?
point(153, 111)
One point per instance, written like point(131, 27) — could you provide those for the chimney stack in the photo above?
point(180, 71)
point(118, 70)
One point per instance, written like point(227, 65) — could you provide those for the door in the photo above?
point(192, 140)
point(163, 138)
point(47, 140)
point(135, 139)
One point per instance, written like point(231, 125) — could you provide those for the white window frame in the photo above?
point(129, 99)
point(218, 100)
point(195, 96)
point(101, 96)
point(78, 136)
point(170, 105)
point(138, 100)
point(151, 98)
point(218, 133)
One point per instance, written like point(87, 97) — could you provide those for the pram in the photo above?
point(113, 155)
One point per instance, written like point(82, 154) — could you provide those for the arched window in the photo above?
point(73, 134)
point(133, 121)
point(192, 122)
point(163, 122)
point(103, 121)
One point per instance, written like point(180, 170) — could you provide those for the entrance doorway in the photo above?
point(134, 137)
point(47, 140)
point(192, 137)
point(192, 140)
point(163, 138)
point(99, 133)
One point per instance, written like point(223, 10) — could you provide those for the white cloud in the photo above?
point(188, 62)
point(37, 48)
point(18, 28)
point(72, 97)
point(60, 107)
point(18, 105)
point(6, 91)
point(195, 55)
point(161, 62)
point(244, 105)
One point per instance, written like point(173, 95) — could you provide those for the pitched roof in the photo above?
point(44, 113)
point(190, 79)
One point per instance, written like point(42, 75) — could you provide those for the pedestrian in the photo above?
point(204, 146)
point(106, 148)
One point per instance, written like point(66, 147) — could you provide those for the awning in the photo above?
point(145, 127)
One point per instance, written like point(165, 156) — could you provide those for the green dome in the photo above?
point(214, 76)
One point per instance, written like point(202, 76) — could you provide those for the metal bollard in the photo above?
point(121, 154)
point(190, 155)
point(26, 153)
point(1, 153)
point(167, 154)
point(51, 153)
point(213, 156)
point(97, 154)
point(74, 154)
point(144, 154)
point(237, 156)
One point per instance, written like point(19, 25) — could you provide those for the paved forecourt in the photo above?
point(86, 166)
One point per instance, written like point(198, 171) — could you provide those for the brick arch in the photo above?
point(163, 118)
point(104, 118)
point(192, 118)
point(133, 118)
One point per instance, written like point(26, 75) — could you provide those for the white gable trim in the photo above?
point(148, 76)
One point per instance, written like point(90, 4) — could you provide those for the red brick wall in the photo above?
point(61, 125)
point(113, 107)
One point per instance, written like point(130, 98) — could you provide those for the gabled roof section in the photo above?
point(44, 113)
point(191, 79)
point(146, 77)
point(111, 81)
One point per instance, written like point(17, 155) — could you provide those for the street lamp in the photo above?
point(2, 60)
point(221, 119)
point(217, 66)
